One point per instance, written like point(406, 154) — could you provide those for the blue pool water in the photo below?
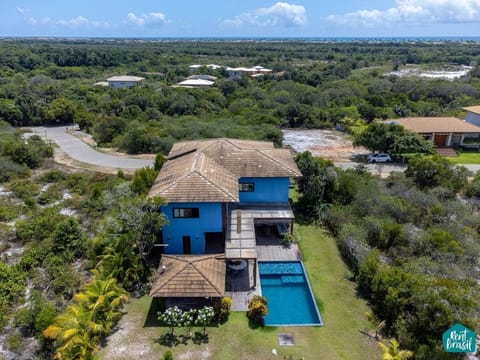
point(290, 299)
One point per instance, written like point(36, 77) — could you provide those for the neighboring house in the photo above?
point(252, 72)
point(196, 83)
point(442, 131)
point(195, 67)
point(217, 192)
point(473, 115)
point(202, 77)
point(124, 81)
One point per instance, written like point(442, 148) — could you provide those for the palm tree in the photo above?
point(393, 352)
point(377, 324)
point(104, 298)
point(94, 311)
point(73, 333)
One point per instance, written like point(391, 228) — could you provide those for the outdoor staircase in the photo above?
point(448, 152)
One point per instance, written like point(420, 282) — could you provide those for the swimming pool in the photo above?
point(288, 293)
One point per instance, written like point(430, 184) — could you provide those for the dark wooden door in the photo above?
point(440, 140)
point(187, 246)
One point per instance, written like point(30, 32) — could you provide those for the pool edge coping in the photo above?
point(309, 287)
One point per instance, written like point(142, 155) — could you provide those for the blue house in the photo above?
point(218, 190)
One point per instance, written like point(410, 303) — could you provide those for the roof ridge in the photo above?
point(275, 160)
point(215, 185)
point(203, 275)
point(178, 272)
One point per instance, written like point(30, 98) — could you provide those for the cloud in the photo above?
point(279, 14)
point(76, 22)
point(20, 10)
point(153, 19)
point(415, 12)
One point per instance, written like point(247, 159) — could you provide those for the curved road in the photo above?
point(80, 151)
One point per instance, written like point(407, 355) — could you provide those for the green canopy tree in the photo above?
point(392, 139)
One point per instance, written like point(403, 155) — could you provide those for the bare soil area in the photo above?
point(329, 144)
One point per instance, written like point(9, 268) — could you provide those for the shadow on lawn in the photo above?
point(156, 305)
point(171, 340)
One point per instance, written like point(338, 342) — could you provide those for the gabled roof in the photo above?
point(194, 177)
point(190, 276)
point(436, 125)
point(209, 170)
point(473, 109)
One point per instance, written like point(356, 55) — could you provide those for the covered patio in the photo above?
point(190, 281)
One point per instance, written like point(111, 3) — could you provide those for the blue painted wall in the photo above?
point(209, 220)
point(473, 118)
point(266, 190)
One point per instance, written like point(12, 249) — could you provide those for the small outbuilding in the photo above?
point(190, 278)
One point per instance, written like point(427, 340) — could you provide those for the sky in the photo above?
point(246, 18)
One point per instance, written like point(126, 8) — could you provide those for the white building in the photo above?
point(193, 68)
point(196, 83)
point(252, 71)
point(124, 81)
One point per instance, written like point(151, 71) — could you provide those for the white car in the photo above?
point(379, 158)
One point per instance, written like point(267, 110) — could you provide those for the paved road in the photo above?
point(385, 169)
point(80, 151)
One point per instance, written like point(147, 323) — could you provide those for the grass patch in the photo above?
point(340, 338)
point(468, 157)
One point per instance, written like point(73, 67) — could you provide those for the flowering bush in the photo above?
point(204, 317)
point(172, 317)
point(257, 309)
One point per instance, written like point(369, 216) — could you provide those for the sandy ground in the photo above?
point(329, 144)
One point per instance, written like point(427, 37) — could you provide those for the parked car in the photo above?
point(379, 158)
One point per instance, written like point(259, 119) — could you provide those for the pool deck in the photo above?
point(238, 282)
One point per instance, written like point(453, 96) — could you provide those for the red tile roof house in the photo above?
point(442, 131)
point(217, 191)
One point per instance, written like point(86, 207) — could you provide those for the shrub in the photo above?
point(52, 176)
point(10, 170)
point(257, 309)
point(222, 308)
point(143, 180)
point(168, 355)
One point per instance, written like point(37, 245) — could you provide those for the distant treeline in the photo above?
point(314, 85)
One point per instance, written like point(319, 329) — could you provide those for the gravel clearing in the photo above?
point(329, 144)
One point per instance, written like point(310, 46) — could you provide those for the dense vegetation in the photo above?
point(315, 85)
point(84, 240)
point(412, 243)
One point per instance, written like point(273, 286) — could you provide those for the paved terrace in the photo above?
point(240, 240)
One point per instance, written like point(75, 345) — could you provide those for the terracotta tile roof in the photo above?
point(436, 125)
point(209, 170)
point(473, 109)
point(190, 276)
point(195, 178)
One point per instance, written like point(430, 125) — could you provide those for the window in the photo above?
point(246, 187)
point(186, 213)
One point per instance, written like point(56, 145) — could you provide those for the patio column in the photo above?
point(254, 273)
point(449, 139)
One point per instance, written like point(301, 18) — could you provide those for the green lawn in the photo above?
point(466, 158)
point(339, 338)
